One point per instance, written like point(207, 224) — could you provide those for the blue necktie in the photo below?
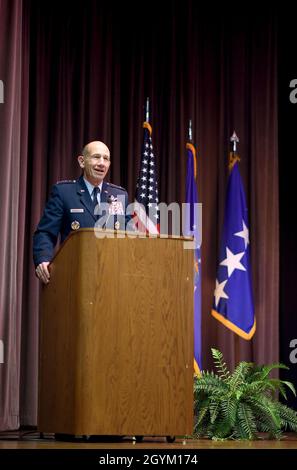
point(96, 190)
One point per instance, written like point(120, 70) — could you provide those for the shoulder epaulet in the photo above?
point(66, 181)
point(115, 186)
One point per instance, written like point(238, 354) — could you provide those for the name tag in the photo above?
point(76, 210)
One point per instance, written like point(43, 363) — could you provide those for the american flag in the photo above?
point(147, 186)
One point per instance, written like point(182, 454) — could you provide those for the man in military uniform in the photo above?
point(76, 204)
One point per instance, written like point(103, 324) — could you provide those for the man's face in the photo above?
point(96, 162)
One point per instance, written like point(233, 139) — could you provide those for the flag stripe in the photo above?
point(233, 327)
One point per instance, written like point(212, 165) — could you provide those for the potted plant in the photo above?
point(242, 404)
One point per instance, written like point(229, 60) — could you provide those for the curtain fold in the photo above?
point(13, 151)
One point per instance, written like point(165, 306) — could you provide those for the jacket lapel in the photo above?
point(104, 194)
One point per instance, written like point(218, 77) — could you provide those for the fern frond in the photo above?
point(288, 416)
point(289, 385)
point(258, 387)
point(229, 409)
point(263, 371)
point(200, 430)
point(239, 374)
point(201, 408)
point(220, 364)
point(209, 383)
point(268, 408)
point(247, 421)
point(221, 429)
point(214, 409)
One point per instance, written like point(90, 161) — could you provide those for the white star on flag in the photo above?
point(233, 261)
point(219, 292)
point(244, 234)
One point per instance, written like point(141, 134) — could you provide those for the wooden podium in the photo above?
point(116, 338)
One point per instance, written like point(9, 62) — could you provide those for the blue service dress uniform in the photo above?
point(69, 208)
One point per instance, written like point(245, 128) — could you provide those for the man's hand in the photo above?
point(42, 272)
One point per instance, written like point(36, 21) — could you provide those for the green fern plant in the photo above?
point(241, 404)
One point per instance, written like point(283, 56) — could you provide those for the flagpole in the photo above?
point(234, 141)
point(147, 110)
point(233, 157)
point(190, 133)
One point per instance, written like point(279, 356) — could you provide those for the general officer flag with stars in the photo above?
point(233, 299)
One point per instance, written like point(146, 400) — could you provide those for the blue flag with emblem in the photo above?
point(233, 298)
point(192, 228)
